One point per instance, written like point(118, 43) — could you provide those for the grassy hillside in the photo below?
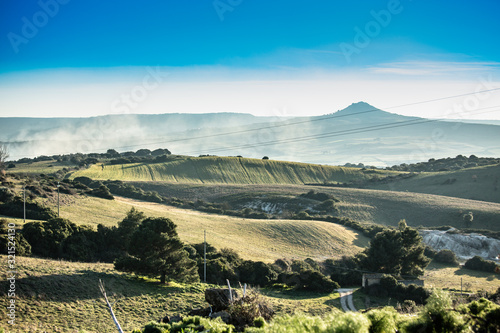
point(481, 183)
point(364, 205)
point(39, 167)
point(265, 240)
point(228, 170)
point(61, 296)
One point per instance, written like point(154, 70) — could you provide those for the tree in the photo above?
point(413, 260)
point(143, 152)
point(468, 218)
point(4, 155)
point(46, 238)
point(128, 226)
point(160, 152)
point(112, 153)
point(156, 250)
point(399, 252)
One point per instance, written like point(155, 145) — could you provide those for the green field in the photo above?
point(445, 277)
point(481, 183)
point(427, 199)
point(364, 205)
point(36, 168)
point(228, 170)
point(61, 296)
point(265, 240)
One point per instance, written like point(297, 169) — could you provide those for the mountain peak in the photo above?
point(358, 107)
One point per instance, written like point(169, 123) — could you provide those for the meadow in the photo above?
point(479, 183)
point(62, 296)
point(254, 239)
point(364, 205)
point(227, 170)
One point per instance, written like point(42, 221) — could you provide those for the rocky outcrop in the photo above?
point(465, 246)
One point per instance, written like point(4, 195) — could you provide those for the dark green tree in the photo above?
point(399, 252)
point(257, 273)
point(46, 237)
point(128, 226)
point(156, 250)
point(413, 261)
point(82, 245)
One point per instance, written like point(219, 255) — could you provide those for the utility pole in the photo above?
point(205, 257)
point(24, 205)
point(58, 199)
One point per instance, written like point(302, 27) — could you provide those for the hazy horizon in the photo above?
point(71, 59)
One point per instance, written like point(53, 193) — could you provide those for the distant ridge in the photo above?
point(360, 133)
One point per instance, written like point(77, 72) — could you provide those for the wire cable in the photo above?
point(365, 129)
point(309, 120)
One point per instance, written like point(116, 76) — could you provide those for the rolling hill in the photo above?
point(425, 199)
point(479, 183)
point(358, 133)
point(228, 170)
point(218, 179)
point(363, 205)
point(265, 240)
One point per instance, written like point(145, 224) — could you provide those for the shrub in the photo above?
point(257, 273)
point(259, 322)
point(429, 252)
point(389, 287)
point(102, 192)
point(83, 180)
point(447, 257)
point(14, 206)
point(154, 327)
point(46, 238)
point(437, 316)
point(327, 206)
point(318, 196)
point(382, 320)
point(309, 280)
point(248, 309)
point(23, 248)
point(302, 215)
point(198, 324)
point(301, 323)
point(344, 271)
point(479, 264)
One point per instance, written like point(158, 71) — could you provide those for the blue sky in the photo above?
point(82, 58)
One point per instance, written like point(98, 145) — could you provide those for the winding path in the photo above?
point(346, 300)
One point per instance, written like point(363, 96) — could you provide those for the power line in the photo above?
point(309, 120)
point(365, 129)
point(320, 118)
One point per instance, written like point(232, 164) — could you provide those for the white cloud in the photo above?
point(434, 68)
point(313, 91)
